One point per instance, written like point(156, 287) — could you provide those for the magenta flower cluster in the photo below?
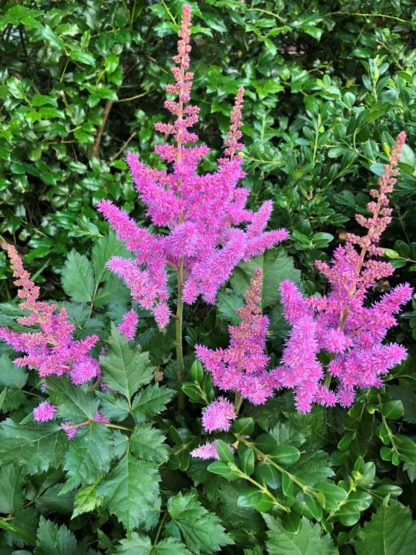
point(204, 215)
point(242, 367)
point(51, 350)
point(340, 322)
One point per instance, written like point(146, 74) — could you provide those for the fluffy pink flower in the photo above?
point(50, 347)
point(84, 371)
point(205, 452)
point(218, 415)
point(209, 229)
point(44, 412)
point(69, 429)
point(341, 322)
point(242, 367)
point(128, 326)
point(100, 418)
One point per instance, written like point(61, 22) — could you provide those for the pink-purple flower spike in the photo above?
point(51, 350)
point(205, 214)
point(340, 322)
point(242, 367)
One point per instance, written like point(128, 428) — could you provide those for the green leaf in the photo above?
point(137, 544)
point(267, 474)
point(392, 409)
point(78, 277)
point(54, 500)
point(86, 500)
point(150, 401)
point(286, 454)
point(11, 494)
point(52, 38)
point(113, 406)
point(73, 403)
point(10, 374)
point(78, 55)
point(408, 156)
point(391, 530)
point(222, 469)
point(227, 306)
point(309, 539)
point(200, 529)
point(312, 468)
point(334, 495)
point(131, 493)
point(244, 426)
point(276, 265)
point(251, 497)
point(89, 454)
point(224, 451)
point(149, 444)
point(36, 446)
point(104, 249)
point(54, 540)
point(126, 368)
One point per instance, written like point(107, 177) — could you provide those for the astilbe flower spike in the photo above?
point(340, 323)
point(51, 348)
point(205, 214)
point(242, 367)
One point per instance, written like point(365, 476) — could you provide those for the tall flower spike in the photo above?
point(209, 229)
point(242, 367)
point(51, 349)
point(340, 323)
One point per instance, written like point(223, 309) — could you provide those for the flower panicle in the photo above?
point(51, 348)
point(242, 367)
point(208, 228)
point(340, 322)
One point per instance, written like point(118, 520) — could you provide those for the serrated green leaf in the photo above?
point(137, 544)
point(312, 468)
point(391, 530)
point(36, 446)
point(78, 277)
point(73, 403)
point(131, 493)
point(309, 539)
point(86, 500)
point(150, 401)
point(148, 443)
point(201, 530)
point(54, 540)
point(88, 455)
point(113, 406)
point(54, 501)
point(126, 368)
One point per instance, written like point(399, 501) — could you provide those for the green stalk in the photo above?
point(179, 346)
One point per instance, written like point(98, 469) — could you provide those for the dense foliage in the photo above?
point(328, 86)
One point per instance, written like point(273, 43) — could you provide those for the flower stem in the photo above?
point(179, 346)
point(238, 401)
